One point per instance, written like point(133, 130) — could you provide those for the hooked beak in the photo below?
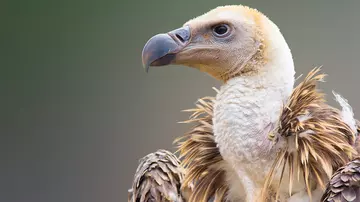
point(161, 49)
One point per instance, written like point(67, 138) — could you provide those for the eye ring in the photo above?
point(221, 30)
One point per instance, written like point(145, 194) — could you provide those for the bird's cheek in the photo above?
point(206, 60)
point(188, 56)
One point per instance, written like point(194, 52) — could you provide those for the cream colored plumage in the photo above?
point(257, 125)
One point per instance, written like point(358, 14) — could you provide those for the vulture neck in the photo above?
point(248, 106)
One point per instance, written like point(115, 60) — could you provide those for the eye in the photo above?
point(221, 30)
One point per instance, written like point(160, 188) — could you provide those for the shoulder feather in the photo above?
point(157, 178)
point(344, 185)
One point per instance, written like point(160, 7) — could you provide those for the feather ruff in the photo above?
point(311, 137)
point(200, 156)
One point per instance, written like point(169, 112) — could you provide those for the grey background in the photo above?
point(77, 109)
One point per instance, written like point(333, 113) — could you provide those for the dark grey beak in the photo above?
point(161, 49)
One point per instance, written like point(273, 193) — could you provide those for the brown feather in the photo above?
point(344, 185)
point(158, 178)
point(317, 140)
point(201, 157)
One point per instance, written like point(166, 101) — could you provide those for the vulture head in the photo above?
point(225, 42)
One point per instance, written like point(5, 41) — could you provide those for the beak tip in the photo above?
point(159, 51)
point(145, 62)
point(146, 68)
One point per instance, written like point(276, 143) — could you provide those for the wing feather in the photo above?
point(344, 185)
point(158, 178)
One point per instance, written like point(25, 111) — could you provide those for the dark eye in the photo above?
point(221, 30)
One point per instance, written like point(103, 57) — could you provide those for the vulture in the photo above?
point(260, 138)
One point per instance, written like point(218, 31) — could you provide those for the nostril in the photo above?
point(180, 38)
point(182, 35)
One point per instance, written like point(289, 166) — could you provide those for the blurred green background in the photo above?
point(78, 110)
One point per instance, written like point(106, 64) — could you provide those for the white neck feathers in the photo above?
point(248, 106)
